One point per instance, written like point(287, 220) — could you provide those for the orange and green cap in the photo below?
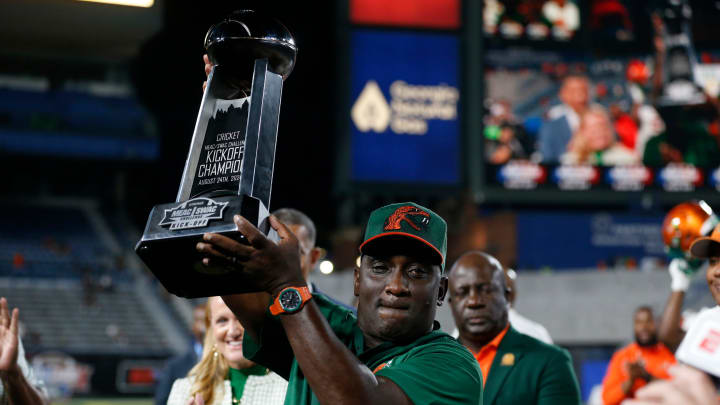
point(407, 221)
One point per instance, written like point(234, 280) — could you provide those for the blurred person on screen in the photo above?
point(19, 385)
point(178, 366)
point(516, 368)
point(625, 124)
point(650, 124)
point(610, 20)
point(594, 142)
point(505, 137)
point(492, 11)
point(502, 144)
point(224, 376)
point(564, 15)
point(564, 119)
point(687, 137)
point(635, 365)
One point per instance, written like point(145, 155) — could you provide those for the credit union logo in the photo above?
point(409, 110)
point(371, 111)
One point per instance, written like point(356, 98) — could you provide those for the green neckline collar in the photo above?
point(254, 370)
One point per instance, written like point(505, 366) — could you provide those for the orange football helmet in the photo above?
point(686, 222)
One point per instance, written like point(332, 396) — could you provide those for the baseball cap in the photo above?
point(707, 247)
point(409, 222)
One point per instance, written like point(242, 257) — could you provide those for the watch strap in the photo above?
point(305, 295)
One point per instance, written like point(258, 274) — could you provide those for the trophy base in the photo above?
point(172, 232)
point(681, 93)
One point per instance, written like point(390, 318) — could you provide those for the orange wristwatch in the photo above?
point(290, 300)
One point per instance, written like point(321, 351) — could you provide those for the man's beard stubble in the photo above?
point(652, 341)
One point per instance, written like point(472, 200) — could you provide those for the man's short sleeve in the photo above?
point(443, 373)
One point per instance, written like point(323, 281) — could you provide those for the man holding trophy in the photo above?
point(217, 238)
point(391, 353)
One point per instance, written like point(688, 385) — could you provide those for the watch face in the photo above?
point(290, 300)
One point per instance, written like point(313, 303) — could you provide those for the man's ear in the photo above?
point(356, 281)
point(442, 291)
point(316, 254)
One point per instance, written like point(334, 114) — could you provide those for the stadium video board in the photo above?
point(610, 95)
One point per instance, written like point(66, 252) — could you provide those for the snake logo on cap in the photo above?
point(403, 214)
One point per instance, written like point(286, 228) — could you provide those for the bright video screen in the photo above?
point(609, 94)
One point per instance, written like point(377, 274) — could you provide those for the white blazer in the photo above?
point(259, 390)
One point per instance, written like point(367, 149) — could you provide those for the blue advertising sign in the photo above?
point(405, 100)
point(586, 240)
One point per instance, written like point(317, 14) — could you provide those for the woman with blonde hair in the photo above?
point(224, 376)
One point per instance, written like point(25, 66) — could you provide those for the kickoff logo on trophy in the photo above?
point(229, 168)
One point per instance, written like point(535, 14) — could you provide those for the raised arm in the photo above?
point(18, 389)
point(335, 375)
point(670, 331)
point(660, 51)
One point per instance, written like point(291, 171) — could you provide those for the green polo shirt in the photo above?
point(434, 369)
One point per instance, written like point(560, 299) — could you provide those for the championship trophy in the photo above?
point(678, 77)
point(229, 168)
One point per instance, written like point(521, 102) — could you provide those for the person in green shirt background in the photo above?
point(393, 351)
